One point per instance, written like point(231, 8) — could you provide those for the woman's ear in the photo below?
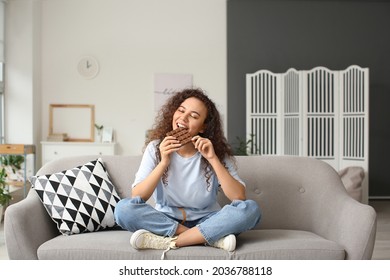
point(203, 128)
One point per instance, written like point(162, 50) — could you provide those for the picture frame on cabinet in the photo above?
point(107, 136)
point(77, 121)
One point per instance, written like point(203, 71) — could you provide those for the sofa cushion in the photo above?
point(280, 244)
point(81, 199)
point(253, 244)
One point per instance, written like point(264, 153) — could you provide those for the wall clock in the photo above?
point(88, 67)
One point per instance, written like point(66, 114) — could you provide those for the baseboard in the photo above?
point(379, 197)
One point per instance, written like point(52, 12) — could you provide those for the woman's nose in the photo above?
point(184, 117)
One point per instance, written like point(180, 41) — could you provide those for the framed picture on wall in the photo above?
point(167, 84)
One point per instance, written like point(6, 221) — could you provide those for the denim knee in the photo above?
point(251, 211)
point(120, 210)
point(123, 208)
point(255, 211)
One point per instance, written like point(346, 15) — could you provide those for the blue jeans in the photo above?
point(241, 215)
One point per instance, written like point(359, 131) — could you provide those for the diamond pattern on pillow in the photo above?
point(79, 200)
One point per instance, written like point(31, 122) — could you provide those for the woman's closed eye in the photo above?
point(192, 114)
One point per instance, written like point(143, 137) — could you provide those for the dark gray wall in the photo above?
point(278, 35)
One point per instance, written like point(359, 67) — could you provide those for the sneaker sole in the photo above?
point(135, 236)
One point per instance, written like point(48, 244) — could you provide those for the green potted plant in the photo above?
point(99, 129)
point(5, 197)
point(9, 164)
point(13, 161)
point(13, 166)
point(245, 147)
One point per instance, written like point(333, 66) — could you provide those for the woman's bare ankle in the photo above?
point(190, 237)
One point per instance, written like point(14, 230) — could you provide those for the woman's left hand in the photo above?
point(204, 146)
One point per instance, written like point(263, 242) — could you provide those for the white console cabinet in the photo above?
point(55, 150)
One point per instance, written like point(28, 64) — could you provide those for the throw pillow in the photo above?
point(352, 178)
point(81, 199)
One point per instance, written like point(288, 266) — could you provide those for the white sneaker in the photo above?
point(227, 243)
point(143, 239)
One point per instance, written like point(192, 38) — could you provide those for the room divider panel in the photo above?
point(317, 113)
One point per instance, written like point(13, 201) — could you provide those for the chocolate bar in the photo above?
point(181, 134)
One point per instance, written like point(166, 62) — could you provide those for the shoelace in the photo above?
point(165, 251)
point(172, 245)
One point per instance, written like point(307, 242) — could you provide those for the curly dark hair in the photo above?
point(213, 129)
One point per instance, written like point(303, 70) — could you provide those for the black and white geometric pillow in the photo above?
point(79, 200)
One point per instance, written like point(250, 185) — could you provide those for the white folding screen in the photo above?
point(354, 100)
point(290, 115)
point(316, 113)
point(262, 104)
point(320, 89)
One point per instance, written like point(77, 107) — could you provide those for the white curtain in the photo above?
point(2, 20)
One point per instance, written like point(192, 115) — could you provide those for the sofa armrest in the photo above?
point(352, 225)
point(26, 226)
point(302, 193)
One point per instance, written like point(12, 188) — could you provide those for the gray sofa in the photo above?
point(307, 214)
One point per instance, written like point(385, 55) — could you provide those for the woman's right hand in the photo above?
point(168, 145)
point(146, 188)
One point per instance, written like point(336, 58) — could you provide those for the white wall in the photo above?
point(132, 40)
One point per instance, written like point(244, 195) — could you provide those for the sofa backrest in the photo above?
point(291, 191)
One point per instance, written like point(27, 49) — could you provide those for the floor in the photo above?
point(382, 242)
point(3, 249)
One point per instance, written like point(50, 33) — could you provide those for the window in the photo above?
point(1, 103)
point(2, 23)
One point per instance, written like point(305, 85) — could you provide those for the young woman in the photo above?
point(184, 181)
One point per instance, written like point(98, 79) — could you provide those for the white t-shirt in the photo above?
point(186, 185)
